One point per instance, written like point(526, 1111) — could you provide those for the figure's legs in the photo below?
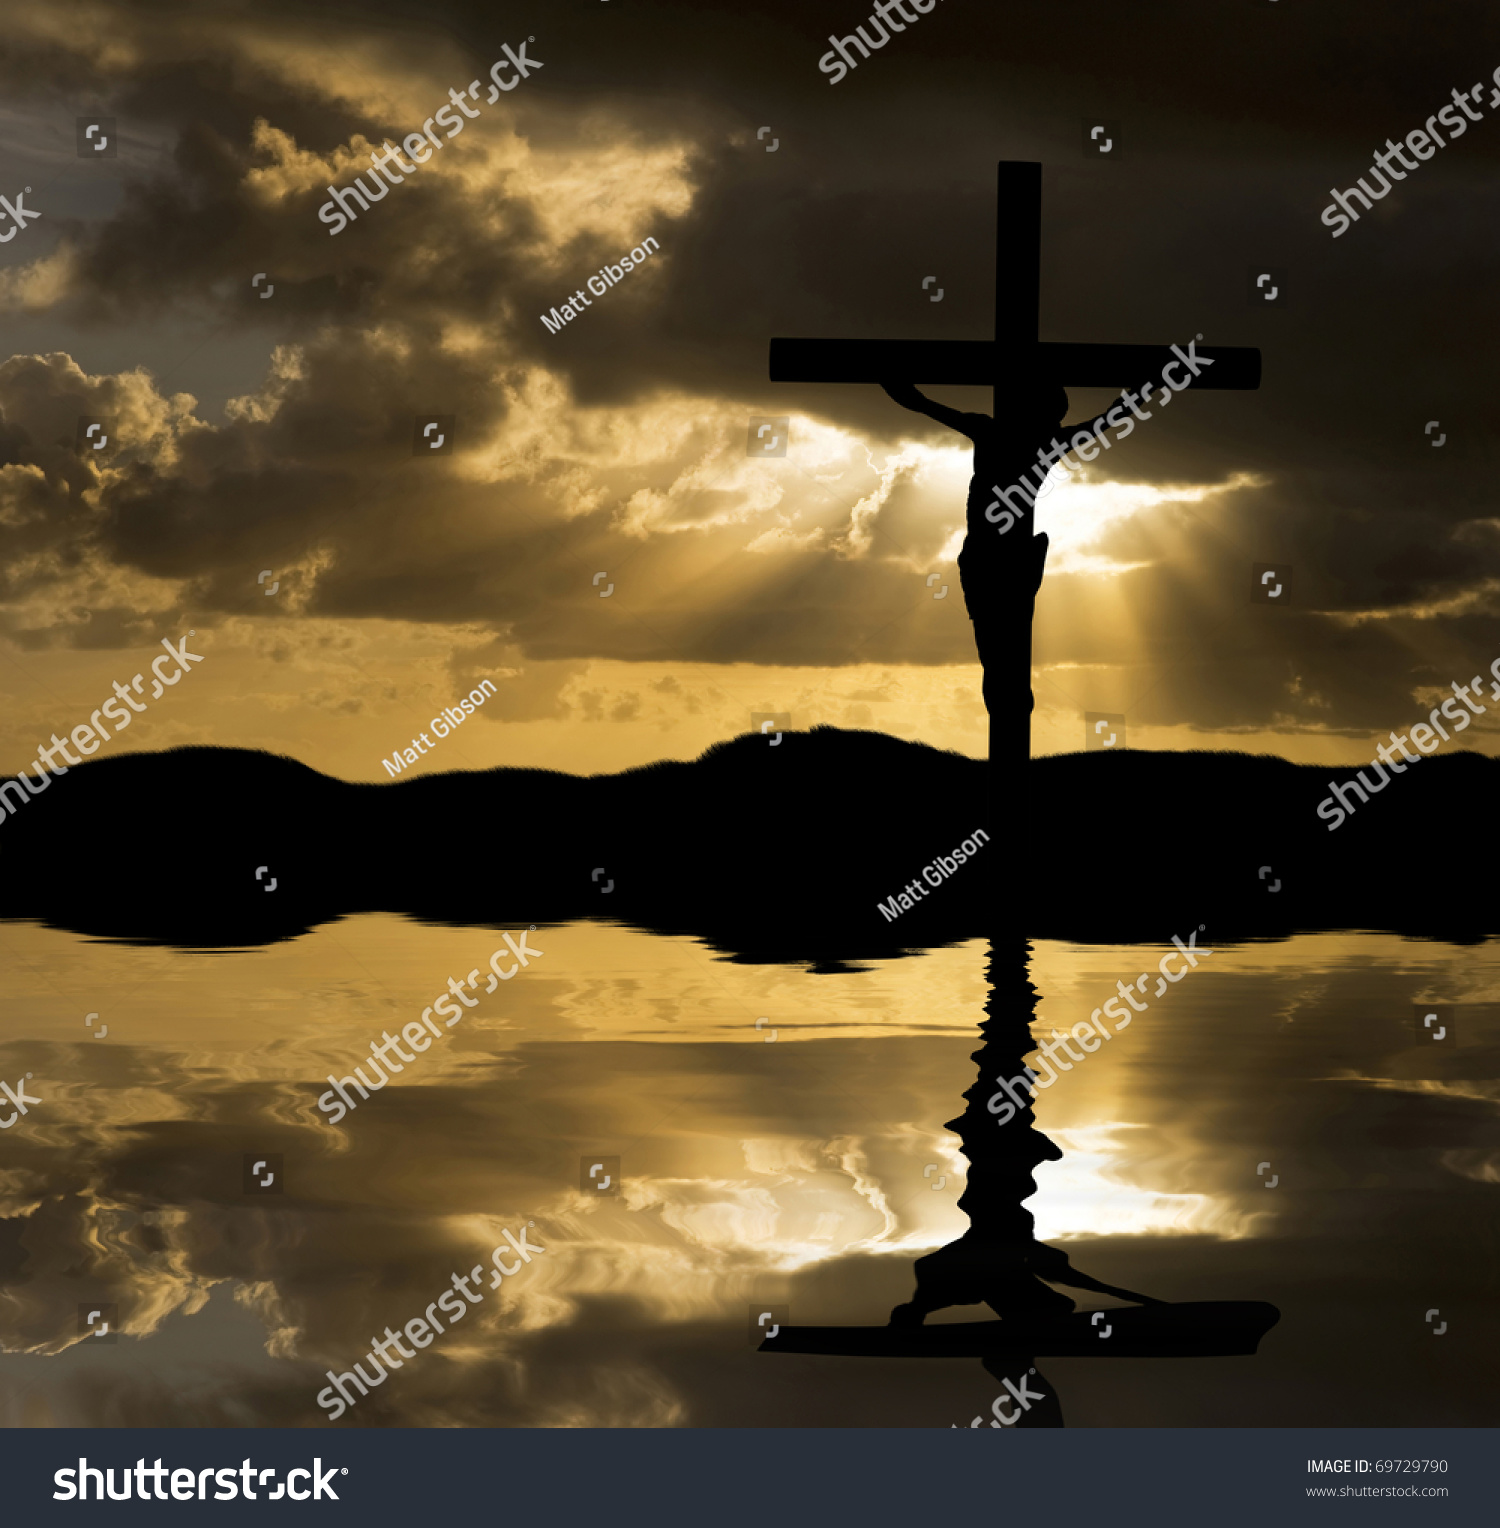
point(1000, 584)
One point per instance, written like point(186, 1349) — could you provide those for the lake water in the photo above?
point(779, 1136)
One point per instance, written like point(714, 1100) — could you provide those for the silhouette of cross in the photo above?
point(1014, 359)
point(1015, 348)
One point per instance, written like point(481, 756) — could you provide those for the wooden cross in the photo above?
point(1015, 352)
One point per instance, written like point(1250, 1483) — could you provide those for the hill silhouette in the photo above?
point(769, 853)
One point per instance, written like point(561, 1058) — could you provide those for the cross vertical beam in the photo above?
point(1018, 301)
point(1018, 270)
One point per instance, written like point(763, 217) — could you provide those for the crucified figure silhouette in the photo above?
point(1000, 566)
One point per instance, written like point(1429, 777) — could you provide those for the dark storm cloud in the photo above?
point(1233, 126)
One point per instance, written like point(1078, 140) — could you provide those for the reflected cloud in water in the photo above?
point(790, 1170)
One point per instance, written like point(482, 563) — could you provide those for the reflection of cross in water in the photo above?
point(1026, 376)
point(998, 1262)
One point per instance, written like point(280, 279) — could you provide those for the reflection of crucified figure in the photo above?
point(1006, 1276)
point(998, 1261)
point(1001, 571)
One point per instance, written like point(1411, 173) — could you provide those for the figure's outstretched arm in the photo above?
point(1098, 423)
point(909, 398)
point(1052, 1264)
point(1076, 1280)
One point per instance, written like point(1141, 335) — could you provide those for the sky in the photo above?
point(599, 543)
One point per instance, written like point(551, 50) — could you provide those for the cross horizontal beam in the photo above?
point(983, 363)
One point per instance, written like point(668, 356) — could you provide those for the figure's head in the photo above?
point(1051, 407)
